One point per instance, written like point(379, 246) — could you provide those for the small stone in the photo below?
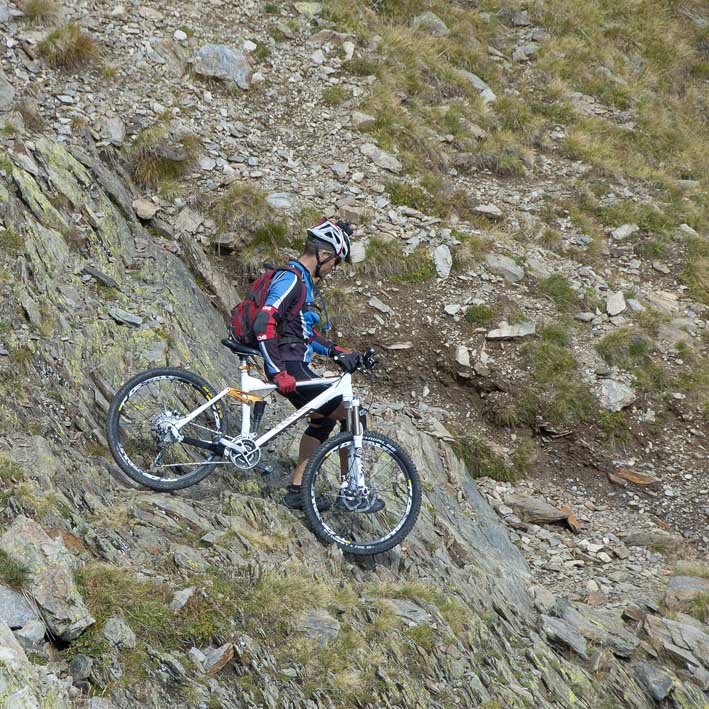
point(379, 305)
point(380, 158)
point(504, 266)
point(311, 10)
point(145, 209)
point(80, 667)
point(280, 200)
point(635, 305)
point(123, 317)
point(362, 120)
point(218, 658)
point(180, 36)
point(119, 634)
point(443, 260)
point(462, 357)
point(486, 93)
point(491, 211)
point(181, 598)
point(624, 231)
point(512, 332)
point(661, 267)
point(615, 396)
point(615, 303)
point(430, 23)
point(31, 635)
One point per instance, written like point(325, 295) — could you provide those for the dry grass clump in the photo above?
point(68, 48)
point(158, 160)
point(39, 10)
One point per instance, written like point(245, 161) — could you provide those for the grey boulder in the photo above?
point(51, 580)
point(217, 61)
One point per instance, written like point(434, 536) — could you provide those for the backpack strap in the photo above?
point(303, 290)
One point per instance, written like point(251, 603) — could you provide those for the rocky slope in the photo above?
point(218, 597)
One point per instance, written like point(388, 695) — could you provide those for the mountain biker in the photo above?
point(287, 339)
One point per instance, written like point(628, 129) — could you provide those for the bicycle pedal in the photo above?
point(263, 468)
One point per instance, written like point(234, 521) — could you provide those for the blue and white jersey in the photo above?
point(284, 335)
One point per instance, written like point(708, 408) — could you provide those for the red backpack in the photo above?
point(244, 314)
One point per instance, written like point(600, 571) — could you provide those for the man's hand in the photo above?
point(285, 382)
point(349, 361)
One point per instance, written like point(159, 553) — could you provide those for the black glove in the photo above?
point(345, 226)
point(349, 361)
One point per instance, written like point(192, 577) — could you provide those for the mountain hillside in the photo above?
point(529, 184)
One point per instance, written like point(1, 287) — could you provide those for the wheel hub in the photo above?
point(164, 428)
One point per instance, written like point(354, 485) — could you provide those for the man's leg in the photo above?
point(321, 426)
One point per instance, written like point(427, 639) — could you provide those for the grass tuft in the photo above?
point(480, 314)
point(12, 573)
point(481, 460)
point(158, 160)
point(559, 290)
point(335, 95)
point(39, 10)
point(68, 48)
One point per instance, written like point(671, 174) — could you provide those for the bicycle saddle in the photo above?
point(239, 349)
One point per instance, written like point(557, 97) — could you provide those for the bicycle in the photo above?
point(168, 429)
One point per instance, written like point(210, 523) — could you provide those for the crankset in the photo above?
point(243, 452)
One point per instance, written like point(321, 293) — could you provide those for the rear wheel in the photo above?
point(140, 435)
point(390, 477)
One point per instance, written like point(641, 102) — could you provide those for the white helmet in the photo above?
point(332, 237)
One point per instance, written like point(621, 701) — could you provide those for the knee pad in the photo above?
point(320, 428)
point(362, 420)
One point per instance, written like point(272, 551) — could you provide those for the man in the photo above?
point(287, 339)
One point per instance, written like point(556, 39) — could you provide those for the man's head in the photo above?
point(328, 243)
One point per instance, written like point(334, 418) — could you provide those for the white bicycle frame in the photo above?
point(249, 393)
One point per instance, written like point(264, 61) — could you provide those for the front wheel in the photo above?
point(141, 436)
point(394, 498)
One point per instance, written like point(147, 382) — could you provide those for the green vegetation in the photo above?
point(480, 314)
point(243, 209)
point(699, 607)
point(417, 267)
point(68, 48)
point(261, 53)
point(12, 574)
point(385, 259)
point(696, 269)
point(158, 160)
point(11, 242)
point(335, 95)
point(423, 94)
point(482, 460)
point(560, 291)
point(554, 392)
point(626, 347)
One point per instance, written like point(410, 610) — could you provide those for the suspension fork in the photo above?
point(354, 453)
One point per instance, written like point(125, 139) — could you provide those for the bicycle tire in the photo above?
point(130, 467)
point(318, 521)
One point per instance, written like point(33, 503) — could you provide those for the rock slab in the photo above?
point(51, 580)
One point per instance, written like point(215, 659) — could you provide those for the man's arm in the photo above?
point(282, 293)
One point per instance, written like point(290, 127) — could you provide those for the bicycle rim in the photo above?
point(137, 441)
point(388, 477)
